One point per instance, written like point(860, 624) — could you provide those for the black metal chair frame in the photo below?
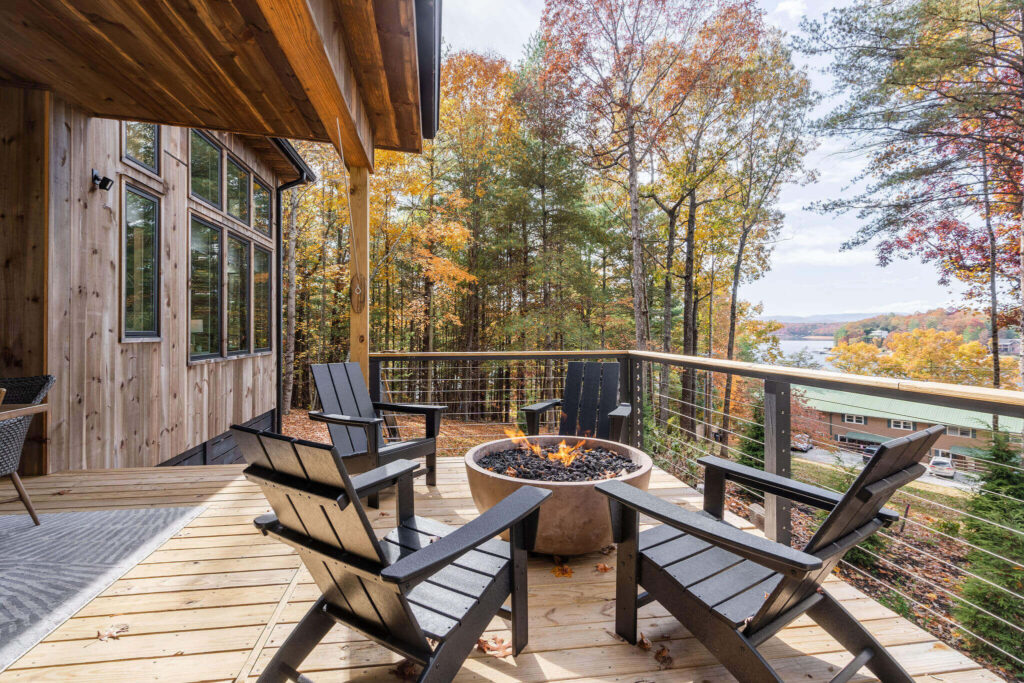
point(734, 590)
point(590, 404)
point(356, 425)
point(426, 590)
point(20, 390)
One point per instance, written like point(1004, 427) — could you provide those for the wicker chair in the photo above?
point(20, 390)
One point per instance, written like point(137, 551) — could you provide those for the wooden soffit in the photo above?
point(340, 71)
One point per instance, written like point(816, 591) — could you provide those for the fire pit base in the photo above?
point(575, 519)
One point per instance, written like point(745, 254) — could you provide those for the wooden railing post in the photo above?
point(777, 457)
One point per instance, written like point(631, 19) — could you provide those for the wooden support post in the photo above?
point(777, 458)
point(359, 266)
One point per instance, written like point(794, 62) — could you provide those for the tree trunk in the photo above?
point(993, 291)
point(689, 316)
point(730, 345)
point(666, 317)
point(640, 310)
point(289, 307)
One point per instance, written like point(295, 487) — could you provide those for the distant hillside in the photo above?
point(969, 324)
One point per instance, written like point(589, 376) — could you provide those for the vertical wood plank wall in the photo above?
point(115, 403)
point(23, 241)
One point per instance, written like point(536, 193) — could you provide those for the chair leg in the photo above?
point(307, 635)
point(852, 635)
point(432, 468)
point(23, 494)
point(518, 599)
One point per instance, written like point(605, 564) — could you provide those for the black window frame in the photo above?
point(156, 145)
point(270, 207)
point(231, 235)
point(270, 299)
point(140, 334)
point(221, 182)
point(229, 160)
point(219, 289)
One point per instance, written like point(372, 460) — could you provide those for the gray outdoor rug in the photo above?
point(49, 572)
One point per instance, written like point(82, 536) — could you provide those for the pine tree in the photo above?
point(752, 440)
point(997, 500)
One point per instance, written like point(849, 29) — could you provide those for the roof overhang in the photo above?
point(340, 71)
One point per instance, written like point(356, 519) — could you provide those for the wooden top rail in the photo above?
point(983, 399)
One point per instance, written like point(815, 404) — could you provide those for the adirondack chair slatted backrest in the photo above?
point(312, 495)
point(895, 463)
point(591, 392)
point(342, 391)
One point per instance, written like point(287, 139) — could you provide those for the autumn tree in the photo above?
point(621, 59)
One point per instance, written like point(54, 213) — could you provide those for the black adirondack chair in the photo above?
point(590, 405)
point(423, 581)
point(355, 423)
point(734, 590)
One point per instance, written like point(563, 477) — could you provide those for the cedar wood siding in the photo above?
point(116, 402)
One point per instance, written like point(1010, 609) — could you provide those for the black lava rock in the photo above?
point(592, 464)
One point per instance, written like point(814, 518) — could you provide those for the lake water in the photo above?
point(818, 347)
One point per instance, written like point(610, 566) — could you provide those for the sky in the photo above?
point(810, 274)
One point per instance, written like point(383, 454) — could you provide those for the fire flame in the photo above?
point(564, 454)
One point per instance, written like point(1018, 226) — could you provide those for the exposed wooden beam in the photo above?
point(359, 268)
point(396, 25)
point(309, 32)
point(364, 52)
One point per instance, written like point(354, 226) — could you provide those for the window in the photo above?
point(204, 168)
point(261, 207)
point(941, 453)
point(964, 432)
point(238, 295)
point(854, 419)
point(238, 191)
point(204, 300)
point(141, 263)
point(905, 425)
point(142, 144)
point(261, 294)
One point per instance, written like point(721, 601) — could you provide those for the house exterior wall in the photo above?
point(120, 401)
point(881, 427)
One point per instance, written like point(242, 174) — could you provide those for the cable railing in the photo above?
point(680, 414)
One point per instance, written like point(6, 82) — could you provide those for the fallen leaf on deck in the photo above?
point(111, 632)
point(63, 491)
point(562, 571)
point(407, 670)
point(608, 549)
point(496, 647)
point(602, 567)
point(643, 643)
point(383, 514)
point(663, 658)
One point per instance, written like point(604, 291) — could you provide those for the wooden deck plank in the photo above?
point(216, 600)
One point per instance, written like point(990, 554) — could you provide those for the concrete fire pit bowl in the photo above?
point(575, 519)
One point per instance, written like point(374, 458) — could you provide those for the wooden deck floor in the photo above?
point(215, 601)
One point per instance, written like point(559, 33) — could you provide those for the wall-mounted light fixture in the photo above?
point(102, 182)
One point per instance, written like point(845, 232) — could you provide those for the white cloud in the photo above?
point(793, 9)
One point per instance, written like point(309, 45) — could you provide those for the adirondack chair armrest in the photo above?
point(763, 551)
point(623, 410)
point(410, 408)
point(370, 425)
point(431, 413)
point(727, 470)
point(533, 414)
point(618, 425)
point(514, 509)
point(383, 476)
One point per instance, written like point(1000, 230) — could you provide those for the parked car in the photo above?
point(800, 442)
point(941, 466)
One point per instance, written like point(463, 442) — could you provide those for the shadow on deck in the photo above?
point(217, 599)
